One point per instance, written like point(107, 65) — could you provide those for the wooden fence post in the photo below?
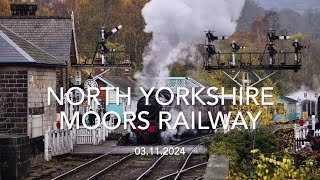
point(93, 137)
point(72, 138)
point(103, 133)
point(46, 146)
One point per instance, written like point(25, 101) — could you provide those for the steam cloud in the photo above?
point(176, 25)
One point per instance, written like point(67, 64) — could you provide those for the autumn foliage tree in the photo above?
point(92, 15)
point(4, 7)
point(132, 36)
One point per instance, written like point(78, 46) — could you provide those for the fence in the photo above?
point(301, 133)
point(94, 137)
point(58, 142)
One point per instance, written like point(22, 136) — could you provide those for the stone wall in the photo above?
point(62, 81)
point(14, 157)
point(13, 100)
point(41, 115)
point(217, 168)
point(24, 106)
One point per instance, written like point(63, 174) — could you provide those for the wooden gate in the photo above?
point(94, 137)
point(58, 142)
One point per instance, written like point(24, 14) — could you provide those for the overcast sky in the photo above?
point(298, 5)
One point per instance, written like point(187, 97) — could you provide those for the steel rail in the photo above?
point(186, 161)
point(159, 159)
point(100, 173)
point(183, 171)
point(201, 177)
point(84, 165)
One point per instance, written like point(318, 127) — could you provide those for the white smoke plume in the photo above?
point(167, 135)
point(305, 93)
point(177, 24)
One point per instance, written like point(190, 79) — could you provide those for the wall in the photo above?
point(112, 94)
point(112, 99)
point(24, 108)
point(13, 100)
point(40, 115)
point(61, 81)
point(14, 157)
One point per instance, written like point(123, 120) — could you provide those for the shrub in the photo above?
point(281, 168)
point(237, 145)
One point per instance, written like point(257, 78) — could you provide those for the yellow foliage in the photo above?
point(4, 7)
point(265, 168)
point(266, 117)
point(253, 151)
point(44, 11)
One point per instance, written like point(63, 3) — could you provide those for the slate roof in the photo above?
point(15, 49)
point(288, 99)
point(52, 34)
point(122, 82)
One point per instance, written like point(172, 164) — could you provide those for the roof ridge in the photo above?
point(60, 61)
point(288, 98)
point(127, 77)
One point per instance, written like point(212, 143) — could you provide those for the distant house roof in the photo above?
point(287, 99)
point(15, 49)
point(52, 34)
point(122, 82)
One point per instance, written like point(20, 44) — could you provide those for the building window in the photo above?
point(36, 111)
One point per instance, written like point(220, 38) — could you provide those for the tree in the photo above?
point(266, 117)
point(250, 11)
point(132, 36)
point(5, 8)
point(44, 11)
point(237, 144)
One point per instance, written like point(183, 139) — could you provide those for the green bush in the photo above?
point(237, 145)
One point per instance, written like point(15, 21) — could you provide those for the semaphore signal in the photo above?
point(102, 43)
point(272, 51)
point(297, 51)
point(211, 38)
point(235, 48)
point(277, 59)
point(243, 61)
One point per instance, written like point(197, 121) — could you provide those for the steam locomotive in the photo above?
point(153, 133)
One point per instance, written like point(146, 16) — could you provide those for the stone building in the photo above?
point(35, 53)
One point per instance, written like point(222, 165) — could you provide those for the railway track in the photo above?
point(90, 167)
point(131, 166)
point(192, 168)
point(157, 168)
point(176, 167)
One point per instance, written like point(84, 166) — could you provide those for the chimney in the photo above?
point(23, 8)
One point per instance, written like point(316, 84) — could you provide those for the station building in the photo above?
point(123, 83)
point(286, 110)
point(35, 53)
